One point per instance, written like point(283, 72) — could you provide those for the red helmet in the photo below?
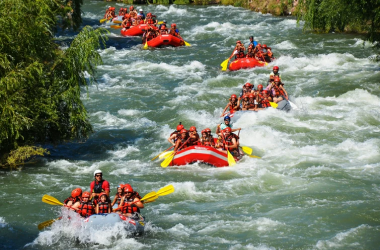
point(276, 68)
point(238, 42)
point(265, 92)
point(101, 194)
point(244, 96)
point(228, 129)
point(149, 14)
point(113, 8)
point(193, 128)
point(251, 95)
point(265, 46)
point(121, 8)
point(183, 131)
point(125, 9)
point(86, 194)
point(258, 86)
point(174, 25)
point(76, 192)
point(131, 8)
point(277, 79)
point(208, 130)
point(259, 45)
point(233, 96)
point(126, 15)
point(203, 131)
point(248, 84)
point(128, 188)
point(180, 127)
point(163, 27)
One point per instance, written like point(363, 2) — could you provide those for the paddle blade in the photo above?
point(165, 155)
point(167, 161)
point(115, 26)
point(149, 196)
point(148, 201)
point(224, 64)
point(273, 104)
point(117, 21)
point(254, 156)
point(165, 190)
point(247, 150)
point(231, 160)
point(51, 200)
point(146, 45)
point(46, 223)
point(160, 22)
point(102, 20)
point(186, 43)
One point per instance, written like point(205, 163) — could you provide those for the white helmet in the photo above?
point(97, 172)
point(140, 10)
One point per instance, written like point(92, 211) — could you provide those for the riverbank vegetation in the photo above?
point(39, 81)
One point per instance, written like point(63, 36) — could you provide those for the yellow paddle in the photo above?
point(51, 200)
point(149, 196)
point(247, 150)
point(146, 45)
point(165, 190)
point(117, 21)
point(168, 160)
point(224, 64)
point(231, 159)
point(273, 104)
point(166, 154)
point(160, 22)
point(47, 223)
point(159, 155)
point(102, 20)
point(116, 27)
point(186, 43)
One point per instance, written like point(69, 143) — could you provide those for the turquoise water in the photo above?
point(317, 185)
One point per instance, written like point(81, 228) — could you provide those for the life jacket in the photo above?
point(244, 104)
point(193, 141)
point(149, 20)
point(98, 187)
point(141, 21)
point(240, 53)
point(264, 103)
point(72, 199)
point(130, 208)
point(273, 75)
point(260, 55)
point(232, 107)
point(151, 35)
point(183, 144)
point(173, 33)
point(228, 140)
point(103, 207)
point(207, 142)
point(279, 90)
point(86, 209)
point(270, 54)
point(175, 133)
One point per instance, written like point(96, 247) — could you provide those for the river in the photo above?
point(317, 185)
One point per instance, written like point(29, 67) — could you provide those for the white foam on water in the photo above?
point(2, 222)
point(129, 112)
point(344, 239)
point(107, 120)
point(181, 231)
point(123, 152)
point(252, 247)
point(175, 13)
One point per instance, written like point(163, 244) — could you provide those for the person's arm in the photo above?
point(114, 201)
point(234, 144)
point(138, 203)
point(235, 129)
point(177, 145)
point(286, 93)
point(171, 138)
point(121, 201)
point(225, 109)
point(97, 209)
point(106, 187)
point(109, 209)
point(217, 129)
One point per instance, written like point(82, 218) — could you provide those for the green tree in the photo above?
point(339, 15)
point(40, 82)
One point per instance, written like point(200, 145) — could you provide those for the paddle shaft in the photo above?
point(162, 152)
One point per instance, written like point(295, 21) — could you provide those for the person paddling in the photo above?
point(183, 141)
point(86, 207)
point(99, 185)
point(232, 105)
point(118, 196)
point(130, 203)
point(227, 123)
point(176, 134)
point(74, 200)
point(238, 50)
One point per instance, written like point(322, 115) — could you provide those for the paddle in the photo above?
point(159, 155)
point(230, 158)
point(247, 150)
point(47, 223)
point(51, 200)
point(160, 22)
point(224, 64)
point(168, 160)
point(165, 155)
point(273, 104)
point(116, 26)
point(146, 45)
point(117, 21)
point(103, 20)
point(165, 190)
point(186, 43)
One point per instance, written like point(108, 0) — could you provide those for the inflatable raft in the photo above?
point(166, 40)
point(204, 154)
point(245, 63)
point(137, 30)
point(135, 225)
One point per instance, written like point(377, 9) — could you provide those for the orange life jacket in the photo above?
point(86, 209)
point(130, 208)
point(240, 53)
point(279, 90)
point(264, 103)
point(103, 207)
point(149, 20)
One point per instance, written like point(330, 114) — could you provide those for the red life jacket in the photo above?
point(103, 207)
point(279, 90)
point(232, 105)
point(240, 53)
point(265, 103)
point(86, 209)
point(151, 35)
point(183, 144)
point(142, 21)
point(130, 208)
point(149, 20)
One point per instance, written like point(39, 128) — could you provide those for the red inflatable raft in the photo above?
point(245, 63)
point(166, 40)
point(137, 30)
point(205, 154)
